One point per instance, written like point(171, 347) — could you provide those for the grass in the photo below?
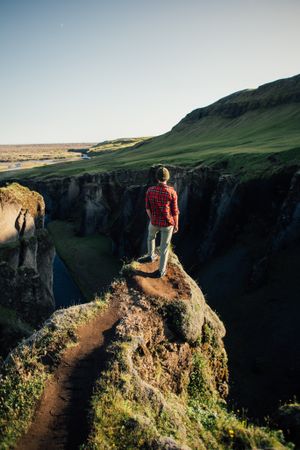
point(124, 417)
point(89, 258)
point(115, 144)
point(257, 143)
point(30, 365)
point(25, 157)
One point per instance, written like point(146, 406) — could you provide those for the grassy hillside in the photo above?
point(250, 133)
point(115, 144)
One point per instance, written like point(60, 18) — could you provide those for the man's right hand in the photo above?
point(175, 230)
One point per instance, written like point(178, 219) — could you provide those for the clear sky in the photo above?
point(90, 70)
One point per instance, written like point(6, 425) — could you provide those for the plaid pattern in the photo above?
point(162, 202)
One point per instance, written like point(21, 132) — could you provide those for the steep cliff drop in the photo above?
point(26, 256)
point(238, 238)
point(149, 370)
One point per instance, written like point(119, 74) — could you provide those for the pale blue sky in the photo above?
point(89, 70)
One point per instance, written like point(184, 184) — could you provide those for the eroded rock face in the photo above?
point(26, 254)
point(166, 324)
point(288, 225)
point(215, 208)
point(232, 237)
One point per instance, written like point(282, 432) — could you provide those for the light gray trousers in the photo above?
point(165, 239)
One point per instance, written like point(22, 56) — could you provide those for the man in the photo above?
point(162, 209)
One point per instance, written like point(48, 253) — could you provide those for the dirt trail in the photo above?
point(170, 286)
point(61, 420)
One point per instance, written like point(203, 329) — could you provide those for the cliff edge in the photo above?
point(152, 354)
point(26, 257)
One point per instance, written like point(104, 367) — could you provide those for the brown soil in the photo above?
point(61, 419)
point(172, 285)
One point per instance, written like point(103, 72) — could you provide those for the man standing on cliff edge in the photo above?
point(162, 209)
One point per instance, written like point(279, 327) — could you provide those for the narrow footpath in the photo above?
point(61, 419)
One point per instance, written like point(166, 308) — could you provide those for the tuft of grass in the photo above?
point(29, 366)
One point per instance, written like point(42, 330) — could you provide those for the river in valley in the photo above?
point(66, 291)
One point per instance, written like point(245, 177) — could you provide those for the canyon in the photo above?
point(238, 239)
point(235, 165)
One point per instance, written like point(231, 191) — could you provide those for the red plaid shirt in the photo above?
point(162, 202)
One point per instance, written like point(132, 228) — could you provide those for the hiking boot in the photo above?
point(147, 259)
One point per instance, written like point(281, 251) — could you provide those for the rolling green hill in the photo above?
point(115, 144)
point(249, 133)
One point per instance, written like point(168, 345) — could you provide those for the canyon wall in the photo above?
point(26, 255)
point(238, 239)
point(215, 208)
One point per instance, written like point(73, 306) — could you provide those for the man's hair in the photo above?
point(162, 174)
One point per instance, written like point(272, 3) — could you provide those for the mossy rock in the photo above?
point(186, 319)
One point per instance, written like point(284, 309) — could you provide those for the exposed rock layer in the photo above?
point(26, 255)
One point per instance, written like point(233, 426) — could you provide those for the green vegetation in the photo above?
point(128, 414)
point(89, 258)
point(151, 398)
point(24, 376)
point(257, 143)
point(115, 144)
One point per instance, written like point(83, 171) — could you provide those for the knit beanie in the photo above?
point(162, 174)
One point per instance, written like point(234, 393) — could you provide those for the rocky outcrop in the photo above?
point(164, 383)
point(21, 211)
point(166, 380)
point(26, 255)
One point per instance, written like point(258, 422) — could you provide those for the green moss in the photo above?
point(128, 414)
point(185, 318)
point(199, 380)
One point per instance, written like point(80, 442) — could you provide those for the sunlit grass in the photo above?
point(246, 146)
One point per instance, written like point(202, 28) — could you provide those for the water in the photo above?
point(66, 291)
